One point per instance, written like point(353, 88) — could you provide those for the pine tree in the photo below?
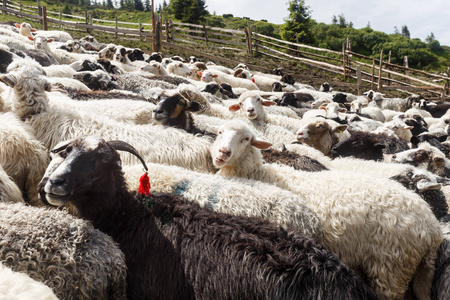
point(405, 32)
point(298, 23)
point(138, 5)
point(190, 11)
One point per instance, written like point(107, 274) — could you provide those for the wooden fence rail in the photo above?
point(378, 72)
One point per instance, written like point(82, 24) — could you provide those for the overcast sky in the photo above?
point(421, 17)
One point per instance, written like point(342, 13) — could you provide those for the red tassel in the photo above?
point(144, 186)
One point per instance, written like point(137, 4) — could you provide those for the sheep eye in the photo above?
point(246, 139)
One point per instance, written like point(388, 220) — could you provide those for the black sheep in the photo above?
point(369, 146)
point(288, 78)
point(292, 159)
point(175, 249)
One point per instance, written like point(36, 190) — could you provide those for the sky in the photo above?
point(421, 17)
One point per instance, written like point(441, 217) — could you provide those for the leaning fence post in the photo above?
point(248, 35)
point(206, 35)
point(140, 29)
point(60, 17)
point(380, 83)
point(4, 6)
point(343, 60)
point(373, 73)
point(255, 34)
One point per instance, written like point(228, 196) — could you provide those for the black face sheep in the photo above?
point(426, 185)
point(97, 80)
point(108, 67)
point(277, 87)
point(135, 54)
point(278, 71)
point(176, 111)
point(176, 250)
point(288, 78)
point(325, 87)
point(300, 100)
point(157, 56)
point(66, 253)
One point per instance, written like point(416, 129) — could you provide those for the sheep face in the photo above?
point(121, 55)
point(97, 80)
point(234, 138)
point(207, 76)
point(156, 56)
point(252, 106)
point(25, 29)
point(76, 168)
point(173, 108)
point(107, 52)
point(320, 135)
point(179, 68)
point(41, 43)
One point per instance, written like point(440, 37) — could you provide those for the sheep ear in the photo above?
point(49, 40)
point(193, 106)
point(199, 73)
point(31, 38)
point(425, 185)
point(408, 127)
point(215, 75)
point(342, 110)
point(214, 129)
point(260, 144)
point(234, 107)
point(9, 80)
point(340, 128)
point(33, 30)
point(17, 25)
point(268, 103)
point(323, 107)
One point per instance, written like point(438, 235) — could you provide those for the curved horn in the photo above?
point(123, 146)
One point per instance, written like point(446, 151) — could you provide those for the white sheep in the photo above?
point(22, 156)
point(212, 75)
point(178, 68)
point(226, 195)
point(25, 29)
point(9, 191)
point(19, 286)
point(374, 112)
point(53, 123)
point(66, 253)
point(397, 216)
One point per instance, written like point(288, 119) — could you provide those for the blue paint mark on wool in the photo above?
point(212, 199)
point(181, 187)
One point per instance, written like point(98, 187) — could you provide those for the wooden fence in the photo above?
point(197, 39)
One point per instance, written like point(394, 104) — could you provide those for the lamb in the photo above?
point(67, 254)
point(53, 123)
point(19, 286)
point(264, 83)
point(155, 67)
point(179, 69)
point(22, 156)
point(166, 255)
point(9, 191)
point(212, 75)
point(235, 153)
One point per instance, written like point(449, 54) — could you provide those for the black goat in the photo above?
point(175, 249)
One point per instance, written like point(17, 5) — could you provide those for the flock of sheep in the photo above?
point(261, 187)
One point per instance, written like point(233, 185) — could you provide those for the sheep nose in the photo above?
point(250, 110)
point(158, 111)
point(225, 152)
point(57, 181)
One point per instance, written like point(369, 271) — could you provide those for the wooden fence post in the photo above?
point(255, 34)
point(358, 78)
point(167, 31)
point(248, 35)
point(153, 26)
point(158, 34)
point(448, 85)
point(90, 22)
point(116, 27)
point(206, 35)
point(140, 29)
point(20, 7)
point(39, 10)
point(380, 83)
point(373, 73)
point(343, 60)
point(60, 18)
point(389, 67)
point(4, 6)
point(44, 17)
point(405, 64)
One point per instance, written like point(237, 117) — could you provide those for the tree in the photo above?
point(430, 38)
point(147, 6)
point(190, 11)
point(396, 31)
point(138, 5)
point(405, 32)
point(298, 24)
point(334, 20)
point(342, 21)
